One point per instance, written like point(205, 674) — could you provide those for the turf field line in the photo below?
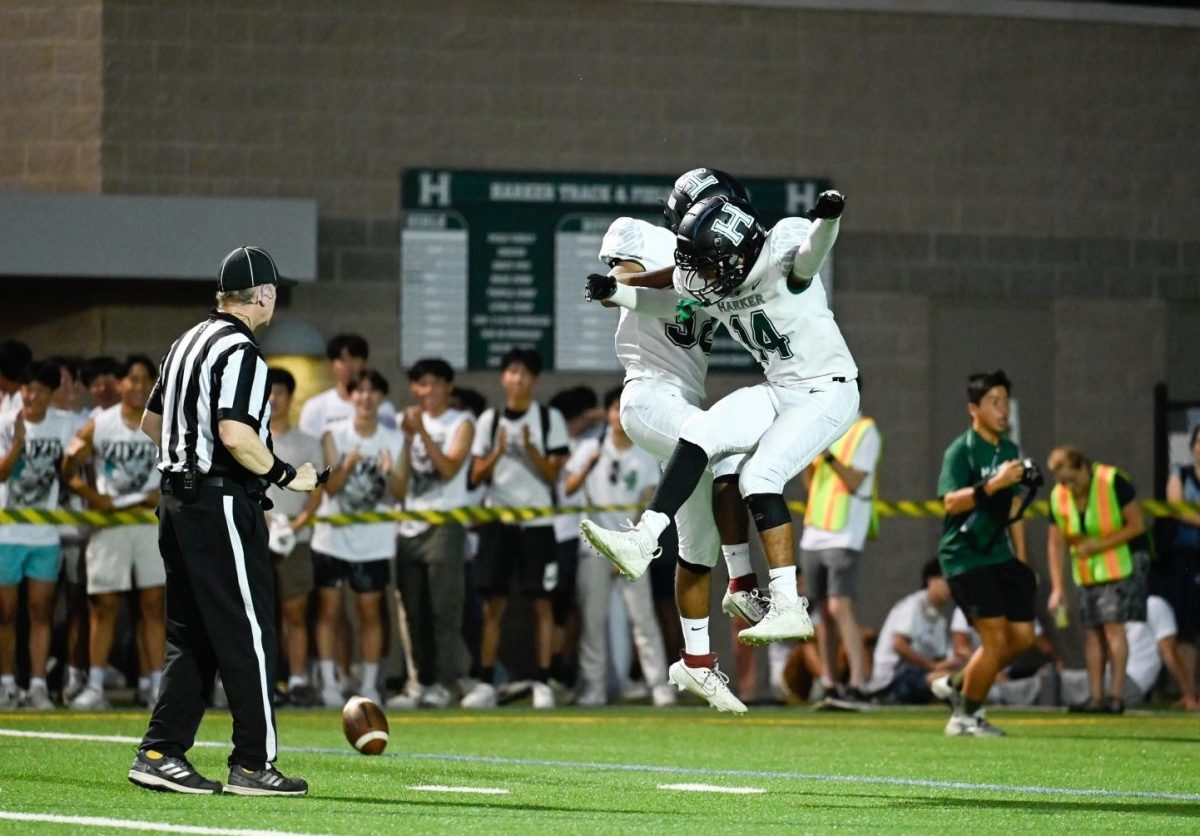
point(712, 788)
point(136, 824)
point(923, 783)
point(467, 790)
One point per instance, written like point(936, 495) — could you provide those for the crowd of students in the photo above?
point(69, 437)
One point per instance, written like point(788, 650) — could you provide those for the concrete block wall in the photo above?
point(51, 95)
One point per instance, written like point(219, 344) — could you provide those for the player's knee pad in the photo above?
point(769, 510)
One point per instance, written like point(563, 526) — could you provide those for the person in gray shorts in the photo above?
point(838, 517)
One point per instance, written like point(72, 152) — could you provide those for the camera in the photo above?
point(1032, 476)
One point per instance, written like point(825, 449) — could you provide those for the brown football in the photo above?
point(365, 726)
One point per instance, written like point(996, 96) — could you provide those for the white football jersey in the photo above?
point(792, 334)
point(674, 352)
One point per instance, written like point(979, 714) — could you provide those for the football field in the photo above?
point(623, 770)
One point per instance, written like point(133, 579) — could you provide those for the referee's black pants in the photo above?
point(220, 617)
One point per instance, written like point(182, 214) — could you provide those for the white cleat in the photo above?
point(961, 724)
point(783, 622)
point(481, 696)
point(331, 697)
point(709, 684)
point(89, 699)
point(630, 551)
point(749, 606)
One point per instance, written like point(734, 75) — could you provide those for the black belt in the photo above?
point(173, 482)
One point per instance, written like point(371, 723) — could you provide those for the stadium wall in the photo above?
point(1022, 192)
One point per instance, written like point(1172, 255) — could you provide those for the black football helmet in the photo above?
point(717, 243)
point(695, 185)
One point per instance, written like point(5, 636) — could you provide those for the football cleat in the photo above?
point(709, 684)
point(783, 622)
point(631, 551)
point(750, 606)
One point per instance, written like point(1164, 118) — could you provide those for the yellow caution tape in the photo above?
point(911, 509)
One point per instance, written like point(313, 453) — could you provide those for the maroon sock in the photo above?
point(695, 660)
point(743, 583)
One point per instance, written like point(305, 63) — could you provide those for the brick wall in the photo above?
point(51, 95)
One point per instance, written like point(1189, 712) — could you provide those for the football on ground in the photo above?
point(365, 726)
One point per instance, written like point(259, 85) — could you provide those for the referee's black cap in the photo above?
point(248, 267)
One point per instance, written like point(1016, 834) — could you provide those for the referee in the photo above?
point(209, 416)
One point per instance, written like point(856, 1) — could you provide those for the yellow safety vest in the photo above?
point(828, 505)
point(1101, 518)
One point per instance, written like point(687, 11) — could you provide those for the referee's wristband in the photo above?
point(281, 473)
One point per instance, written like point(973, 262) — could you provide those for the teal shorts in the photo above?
point(17, 562)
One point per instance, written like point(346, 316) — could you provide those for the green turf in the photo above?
point(351, 793)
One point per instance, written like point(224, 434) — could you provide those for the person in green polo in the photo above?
point(990, 582)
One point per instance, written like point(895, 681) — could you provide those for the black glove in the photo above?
point(829, 206)
point(599, 287)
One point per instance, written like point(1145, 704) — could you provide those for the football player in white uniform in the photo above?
point(665, 365)
point(765, 289)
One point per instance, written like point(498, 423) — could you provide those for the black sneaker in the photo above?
point(303, 696)
point(1114, 705)
point(156, 771)
point(266, 781)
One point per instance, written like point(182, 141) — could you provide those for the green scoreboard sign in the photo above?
point(494, 259)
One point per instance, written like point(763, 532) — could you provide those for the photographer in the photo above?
point(994, 587)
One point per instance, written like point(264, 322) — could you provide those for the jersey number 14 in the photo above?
point(762, 338)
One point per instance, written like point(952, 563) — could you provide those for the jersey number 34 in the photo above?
point(762, 338)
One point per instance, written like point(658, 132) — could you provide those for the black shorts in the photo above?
point(563, 599)
point(331, 572)
point(1000, 590)
point(508, 551)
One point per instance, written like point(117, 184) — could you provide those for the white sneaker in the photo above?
point(403, 701)
point(76, 682)
point(944, 691)
point(630, 551)
point(749, 606)
point(371, 694)
point(37, 698)
point(10, 698)
point(543, 695)
point(634, 691)
point(783, 622)
point(481, 696)
point(436, 696)
point(709, 684)
point(89, 699)
point(592, 698)
point(961, 724)
point(662, 696)
point(331, 697)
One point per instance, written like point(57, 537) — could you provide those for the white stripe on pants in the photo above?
point(785, 428)
point(239, 560)
point(596, 577)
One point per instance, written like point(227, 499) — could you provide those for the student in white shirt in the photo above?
point(363, 457)
point(430, 558)
point(914, 642)
point(347, 355)
point(519, 451)
point(610, 470)
point(33, 440)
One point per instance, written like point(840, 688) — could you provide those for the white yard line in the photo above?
point(922, 783)
point(136, 824)
point(467, 790)
point(712, 788)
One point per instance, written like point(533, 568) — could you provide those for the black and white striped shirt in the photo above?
point(214, 372)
